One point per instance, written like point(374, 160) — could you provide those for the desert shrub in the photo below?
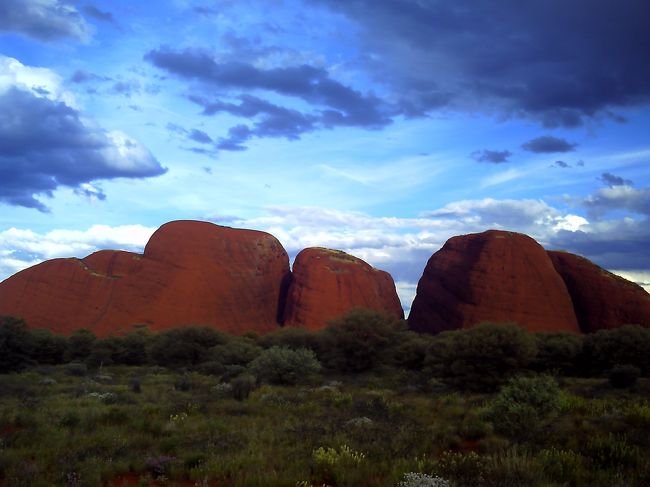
point(183, 383)
point(242, 386)
point(623, 376)
point(360, 340)
point(238, 351)
point(523, 404)
point(184, 346)
point(284, 365)
point(48, 348)
point(610, 451)
point(16, 344)
point(332, 464)
point(481, 358)
point(411, 351)
point(292, 337)
point(131, 349)
point(80, 345)
point(557, 352)
point(627, 345)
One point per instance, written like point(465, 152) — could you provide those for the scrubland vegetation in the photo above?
point(362, 403)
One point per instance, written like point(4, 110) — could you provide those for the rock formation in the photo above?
point(494, 276)
point(601, 299)
point(329, 283)
point(191, 273)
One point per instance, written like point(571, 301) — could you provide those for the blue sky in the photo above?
point(377, 127)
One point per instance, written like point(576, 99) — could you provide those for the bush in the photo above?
point(238, 351)
point(360, 340)
point(48, 348)
point(557, 352)
point(623, 376)
point(75, 368)
point(292, 337)
point(284, 365)
point(242, 386)
point(80, 345)
point(628, 344)
point(481, 358)
point(16, 344)
point(184, 346)
point(521, 407)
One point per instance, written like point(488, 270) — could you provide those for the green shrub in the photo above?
point(16, 344)
point(187, 346)
point(284, 365)
point(48, 348)
point(563, 466)
point(413, 479)
point(481, 358)
point(80, 345)
point(628, 344)
point(360, 340)
point(557, 352)
point(76, 369)
point(238, 351)
point(522, 406)
point(331, 465)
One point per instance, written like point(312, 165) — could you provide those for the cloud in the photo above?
point(45, 20)
point(330, 103)
point(611, 180)
point(45, 143)
point(548, 144)
point(81, 76)
point(21, 248)
point(619, 197)
point(560, 63)
point(493, 156)
point(97, 14)
point(127, 88)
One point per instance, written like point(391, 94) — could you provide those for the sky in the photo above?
point(377, 127)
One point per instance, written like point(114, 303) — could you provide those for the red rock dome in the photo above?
point(191, 273)
point(601, 299)
point(494, 276)
point(328, 283)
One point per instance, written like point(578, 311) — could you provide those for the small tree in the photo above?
point(80, 345)
point(16, 344)
point(481, 358)
point(360, 340)
point(284, 365)
point(557, 351)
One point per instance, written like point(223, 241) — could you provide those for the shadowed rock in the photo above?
point(494, 276)
point(601, 300)
point(328, 283)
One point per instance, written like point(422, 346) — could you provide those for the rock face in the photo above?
point(191, 273)
point(493, 276)
point(601, 300)
point(329, 283)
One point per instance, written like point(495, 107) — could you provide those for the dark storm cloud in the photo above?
point(81, 76)
point(45, 144)
point(558, 62)
point(237, 135)
point(548, 144)
point(200, 136)
point(493, 156)
point(97, 14)
point(341, 104)
point(612, 180)
point(45, 21)
point(272, 120)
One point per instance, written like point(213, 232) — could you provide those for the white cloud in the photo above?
point(20, 248)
